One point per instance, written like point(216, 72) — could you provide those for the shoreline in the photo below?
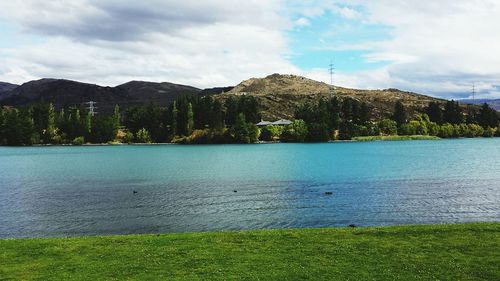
point(395, 138)
point(354, 140)
point(247, 231)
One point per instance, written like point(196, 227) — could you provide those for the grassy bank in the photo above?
point(395, 138)
point(452, 252)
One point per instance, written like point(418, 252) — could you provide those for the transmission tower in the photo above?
point(473, 92)
point(91, 107)
point(331, 69)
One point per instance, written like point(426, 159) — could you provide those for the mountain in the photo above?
point(493, 103)
point(6, 87)
point(64, 93)
point(279, 95)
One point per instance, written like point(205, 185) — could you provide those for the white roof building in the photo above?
point(264, 123)
point(282, 122)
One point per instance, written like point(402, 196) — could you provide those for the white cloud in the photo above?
point(436, 47)
point(201, 43)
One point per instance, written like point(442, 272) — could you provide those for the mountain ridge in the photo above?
point(63, 93)
point(6, 87)
point(277, 94)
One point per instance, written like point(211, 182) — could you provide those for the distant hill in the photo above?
point(279, 95)
point(63, 93)
point(493, 103)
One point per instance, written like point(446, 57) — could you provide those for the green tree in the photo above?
point(143, 136)
point(334, 108)
point(216, 116)
point(489, 132)
point(453, 113)
point(388, 127)
point(295, 132)
point(103, 129)
point(240, 130)
point(117, 118)
point(231, 111)
point(175, 114)
point(87, 124)
point(51, 129)
point(400, 115)
point(271, 133)
point(435, 112)
point(365, 113)
point(446, 131)
point(488, 117)
point(19, 128)
point(190, 119)
point(318, 132)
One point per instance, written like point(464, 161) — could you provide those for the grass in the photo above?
point(395, 138)
point(439, 252)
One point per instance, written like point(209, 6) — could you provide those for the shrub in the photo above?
point(388, 127)
point(407, 129)
point(446, 131)
point(489, 132)
point(143, 136)
point(271, 133)
point(295, 132)
point(475, 130)
point(318, 132)
point(433, 128)
point(128, 138)
point(78, 141)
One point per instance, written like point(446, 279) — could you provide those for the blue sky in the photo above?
point(438, 48)
point(330, 36)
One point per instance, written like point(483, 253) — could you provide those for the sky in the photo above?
point(440, 48)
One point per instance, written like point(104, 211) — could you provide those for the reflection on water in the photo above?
point(43, 194)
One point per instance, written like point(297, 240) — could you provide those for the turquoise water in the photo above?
point(67, 191)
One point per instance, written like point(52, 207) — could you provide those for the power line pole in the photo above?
point(473, 92)
point(331, 70)
point(92, 108)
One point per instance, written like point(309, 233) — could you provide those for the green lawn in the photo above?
point(395, 138)
point(452, 252)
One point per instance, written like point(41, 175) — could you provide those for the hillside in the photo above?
point(279, 95)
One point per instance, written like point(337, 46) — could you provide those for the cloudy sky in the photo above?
point(434, 47)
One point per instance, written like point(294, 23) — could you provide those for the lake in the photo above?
point(74, 191)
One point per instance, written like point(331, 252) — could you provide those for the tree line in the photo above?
point(347, 118)
point(205, 117)
point(204, 120)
